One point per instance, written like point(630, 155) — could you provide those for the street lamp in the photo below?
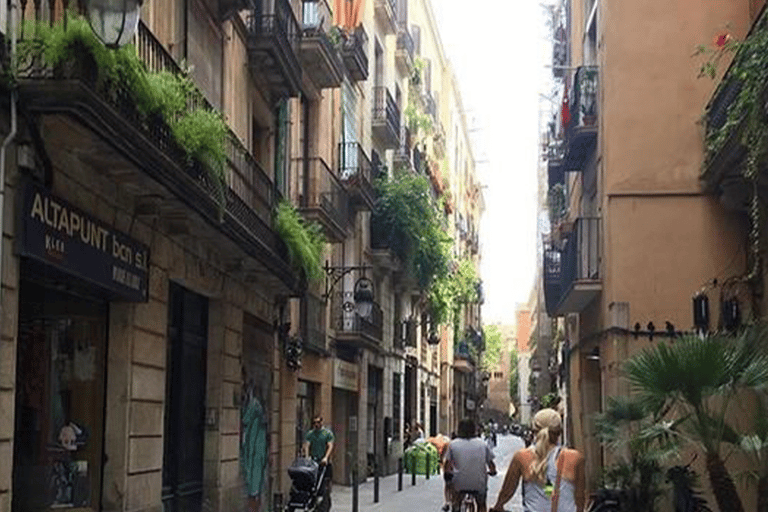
point(114, 21)
point(363, 290)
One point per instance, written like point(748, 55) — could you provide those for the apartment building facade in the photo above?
point(154, 321)
point(634, 235)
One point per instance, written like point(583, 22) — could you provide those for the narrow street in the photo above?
point(426, 495)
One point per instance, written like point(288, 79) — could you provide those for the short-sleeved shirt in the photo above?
point(470, 459)
point(318, 442)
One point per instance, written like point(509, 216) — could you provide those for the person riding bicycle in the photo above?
point(553, 477)
point(318, 444)
point(466, 459)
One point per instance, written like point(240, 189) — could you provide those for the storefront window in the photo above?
point(60, 401)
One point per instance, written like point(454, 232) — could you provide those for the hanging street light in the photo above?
point(114, 22)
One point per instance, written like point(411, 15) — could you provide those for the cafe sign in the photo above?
point(61, 235)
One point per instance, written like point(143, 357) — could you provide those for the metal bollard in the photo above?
point(400, 474)
point(429, 459)
point(354, 491)
point(277, 502)
point(376, 482)
point(413, 471)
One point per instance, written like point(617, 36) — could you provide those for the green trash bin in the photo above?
point(417, 456)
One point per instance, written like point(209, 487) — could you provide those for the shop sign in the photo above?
point(61, 235)
point(345, 375)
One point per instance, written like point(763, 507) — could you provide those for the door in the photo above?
point(185, 401)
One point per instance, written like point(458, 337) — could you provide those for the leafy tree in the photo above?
point(493, 347)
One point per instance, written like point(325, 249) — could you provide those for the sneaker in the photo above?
point(446, 507)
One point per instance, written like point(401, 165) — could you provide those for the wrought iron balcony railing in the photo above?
point(356, 172)
point(274, 38)
point(386, 12)
point(402, 158)
point(242, 210)
point(386, 118)
point(430, 106)
point(313, 323)
point(353, 328)
point(323, 197)
point(572, 275)
point(405, 49)
point(581, 130)
point(353, 52)
point(319, 55)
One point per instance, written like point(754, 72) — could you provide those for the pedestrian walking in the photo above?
point(553, 476)
point(318, 444)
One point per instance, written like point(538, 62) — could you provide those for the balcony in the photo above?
point(386, 118)
point(581, 130)
point(401, 160)
point(319, 57)
point(99, 121)
point(352, 328)
point(438, 140)
point(462, 358)
point(273, 49)
point(430, 105)
point(356, 173)
point(555, 159)
point(405, 50)
point(353, 53)
point(572, 275)
point(384, 246)
point(313, 333)
point(323, 197)
point(386, 14)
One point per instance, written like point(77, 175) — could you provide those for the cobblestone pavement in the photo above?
point(426, 495)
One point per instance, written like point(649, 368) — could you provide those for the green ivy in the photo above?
point(305, 240)
point(452, 290)
point(201, 133)
point(417, 120)
point(410, 220)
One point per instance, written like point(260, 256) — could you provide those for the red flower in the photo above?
point(722, 39)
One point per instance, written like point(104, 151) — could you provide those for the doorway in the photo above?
point(185, 401)
point(60, 381)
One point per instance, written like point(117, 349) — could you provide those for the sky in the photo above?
point(498, 49)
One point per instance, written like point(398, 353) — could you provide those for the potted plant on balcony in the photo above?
point(588, 98)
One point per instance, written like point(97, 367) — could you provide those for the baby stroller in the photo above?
point(309, 492)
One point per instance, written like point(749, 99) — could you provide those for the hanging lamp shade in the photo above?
point(114, 21)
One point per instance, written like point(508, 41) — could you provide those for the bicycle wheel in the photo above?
point(468, 504)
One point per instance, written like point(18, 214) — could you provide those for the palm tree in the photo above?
point(628, 427)
point(696, 378)
point(755, 445)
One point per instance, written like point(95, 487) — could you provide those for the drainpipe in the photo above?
point(11, 135)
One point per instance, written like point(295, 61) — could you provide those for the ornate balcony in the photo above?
point(555, 161)
point(354, 329)
point(581, 130)
point(386, 118)
point(386, 13)
point(323, 197)
point(99, 120)
point(405, 50)
point(438, 140)
point(313, 335)
point(356, 173)
point(319, 56)
point(462, 358)
point(273, 49)
point(353, 53)
point(430, 106)
point(572, 277)
point(402, 157)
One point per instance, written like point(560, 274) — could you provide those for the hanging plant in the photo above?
point(409, 219)
point(305, 240)
point(199, 132)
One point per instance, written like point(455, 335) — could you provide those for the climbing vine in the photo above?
point(744, 118)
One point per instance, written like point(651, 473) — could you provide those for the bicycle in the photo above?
point(467, 501)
